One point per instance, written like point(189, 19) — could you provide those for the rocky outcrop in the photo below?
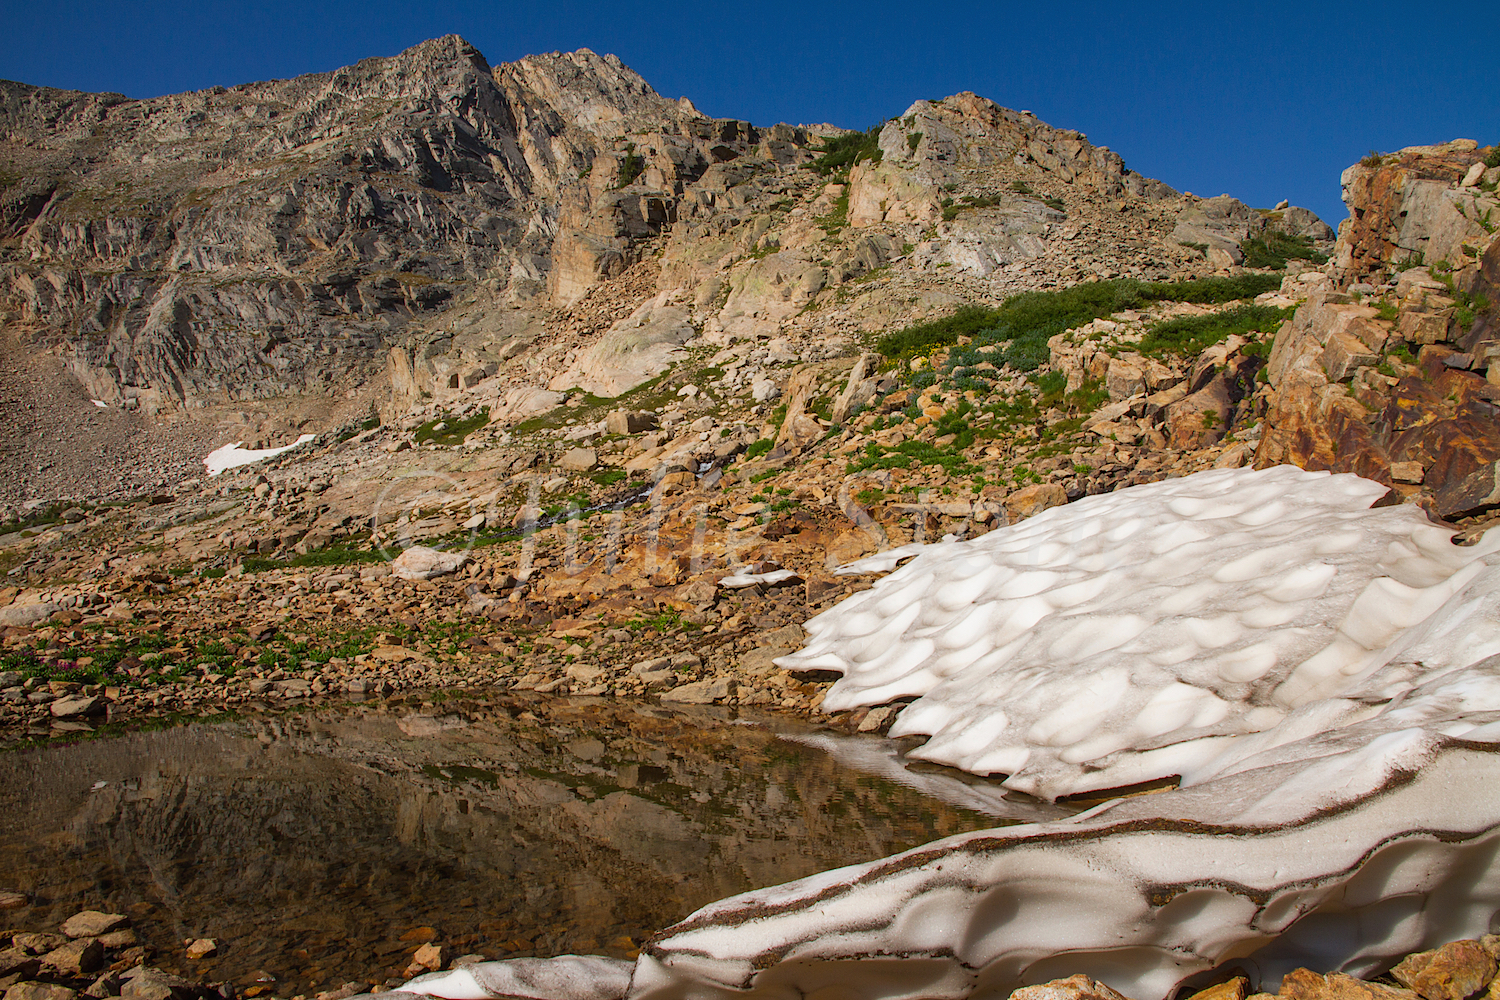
point(1404, 393)
point(276, 238)
point(1419, 203)
point(633, 350)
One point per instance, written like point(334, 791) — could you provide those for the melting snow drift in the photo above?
point(1323, 678)
point(232, 456)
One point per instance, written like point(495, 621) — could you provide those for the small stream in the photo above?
point(323, 846)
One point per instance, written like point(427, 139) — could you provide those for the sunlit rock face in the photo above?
point(1323, 677)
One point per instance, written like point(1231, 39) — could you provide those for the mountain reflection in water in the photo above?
point(320, 846)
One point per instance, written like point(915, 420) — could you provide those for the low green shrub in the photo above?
point(454, 430)
point(1189, 335)
point(1025, 322)
point(843, 152)
point(1273, 250)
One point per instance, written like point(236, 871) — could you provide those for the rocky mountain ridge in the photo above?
point(277, 239)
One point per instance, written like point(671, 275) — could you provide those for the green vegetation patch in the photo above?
point(837, 218)
point(843, 152)
point(1188, 335)
point(368, 425)
point(1025, 322)
point(758, 448)
point(448, 430)
point(333, 555)
point(1276, 248)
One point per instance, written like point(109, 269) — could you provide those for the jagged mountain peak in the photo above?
point(595, 92)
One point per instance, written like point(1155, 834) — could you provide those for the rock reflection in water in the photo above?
point(322, 846)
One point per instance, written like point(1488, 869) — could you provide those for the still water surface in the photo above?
point(321, 846)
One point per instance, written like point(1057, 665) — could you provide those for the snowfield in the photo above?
point(1322, 679)
point(232, 456)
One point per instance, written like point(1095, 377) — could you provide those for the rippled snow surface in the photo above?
point(1168, 629)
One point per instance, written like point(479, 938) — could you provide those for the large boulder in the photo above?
point(422, 563)
point(28, 613)
point(1220, 223)
point(637, 348)
point(768, 291)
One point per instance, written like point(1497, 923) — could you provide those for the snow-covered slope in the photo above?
point(1325, 678)
point(1169, 629)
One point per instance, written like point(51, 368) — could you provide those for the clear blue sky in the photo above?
point(1264, 101)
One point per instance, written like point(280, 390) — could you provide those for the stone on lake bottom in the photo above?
point(40, 991)
point(75, 958)
point(93, 923)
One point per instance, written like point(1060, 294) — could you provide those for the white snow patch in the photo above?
point(1143, 634)
point(751, 579)
point(232, 456)
point(567, 977)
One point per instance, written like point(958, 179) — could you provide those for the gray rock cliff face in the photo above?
point(273, 237)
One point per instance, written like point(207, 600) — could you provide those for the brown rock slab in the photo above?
point(629, 421)
point(76, 958)
point(146, 983)
point(800, 428)
point(18, 962)
point(37, 944)
point(1034, 499)
point(429, 956)
point(122, 938)
point(202, 948)
point(93, 923)
point(77, 707)
point(1407, 472)
point(578, 459)
point(39, 991)
point(704, 692)
point(1343, 353)
point(1079, 987)
point(1304, 984)
point(1451, 972)
point(422, 563)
